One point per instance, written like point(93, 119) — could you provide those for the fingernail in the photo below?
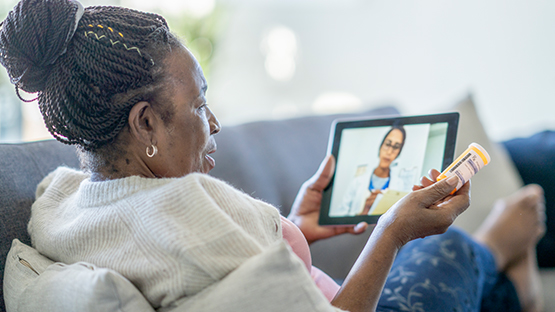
point(453, 180)
point(359, 226)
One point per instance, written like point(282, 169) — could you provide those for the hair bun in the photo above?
point(33, 36)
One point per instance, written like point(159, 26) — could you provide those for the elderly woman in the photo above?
point(119, 85)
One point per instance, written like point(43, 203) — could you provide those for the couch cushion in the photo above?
point(32, 283)
point(273, 281)
point(497, 180)
point(22, 167)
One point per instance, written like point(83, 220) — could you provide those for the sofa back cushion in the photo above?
point(273, 281)
point(497, 180)
point(22, 167)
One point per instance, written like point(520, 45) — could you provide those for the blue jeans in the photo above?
point(448, 272)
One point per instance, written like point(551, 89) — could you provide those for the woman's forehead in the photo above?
point(184, 70)
point(396, 135)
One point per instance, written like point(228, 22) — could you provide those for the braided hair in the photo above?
point(88, 71)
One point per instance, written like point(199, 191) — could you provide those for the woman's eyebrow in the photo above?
point(202, 92)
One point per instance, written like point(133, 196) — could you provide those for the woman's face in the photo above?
point(390, 148)
point(189, 137)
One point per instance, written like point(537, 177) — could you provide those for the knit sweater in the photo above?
point(170, 237)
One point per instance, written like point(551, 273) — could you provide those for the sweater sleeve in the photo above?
point(44, 184)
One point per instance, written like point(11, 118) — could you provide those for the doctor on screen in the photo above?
point(364, 189)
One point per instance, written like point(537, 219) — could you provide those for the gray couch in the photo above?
point(269, 160)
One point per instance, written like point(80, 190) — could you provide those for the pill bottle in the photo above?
point(467, 165)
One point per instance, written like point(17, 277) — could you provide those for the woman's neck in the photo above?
point(382, 172)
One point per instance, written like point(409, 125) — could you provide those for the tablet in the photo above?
point(378, 161)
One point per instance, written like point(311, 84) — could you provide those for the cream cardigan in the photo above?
point(170, 237)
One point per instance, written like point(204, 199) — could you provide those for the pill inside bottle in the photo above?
point(474, 158)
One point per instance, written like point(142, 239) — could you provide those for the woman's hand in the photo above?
point(427, 181)
point(306, 208)
point(428, 210)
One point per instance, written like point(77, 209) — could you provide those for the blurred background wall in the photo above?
point(286, 58)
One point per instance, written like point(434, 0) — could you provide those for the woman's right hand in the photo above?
point(428, 210)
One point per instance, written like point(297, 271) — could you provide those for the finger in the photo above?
point(426, 182)
point(324, 174)
point(462, 196)
point(434, 174)
point(357, 229)
point(465, 188)
point(417, 187)
point(437, 191)
point(360, 228)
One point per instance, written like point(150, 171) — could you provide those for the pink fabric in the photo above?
point(295, 238)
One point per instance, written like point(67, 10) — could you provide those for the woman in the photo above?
point(363, 190)
point(116, 83)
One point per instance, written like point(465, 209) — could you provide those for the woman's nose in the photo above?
point(215, 126)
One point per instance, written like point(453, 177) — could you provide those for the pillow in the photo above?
point(33, 282)
point(534, 158)
point(498, 179)
point(274, 281)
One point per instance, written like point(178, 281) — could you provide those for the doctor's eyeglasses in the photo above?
point(394, 147)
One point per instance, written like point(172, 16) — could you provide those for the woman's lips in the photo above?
point(211, 161)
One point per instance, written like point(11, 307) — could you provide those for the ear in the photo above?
point(144, 124)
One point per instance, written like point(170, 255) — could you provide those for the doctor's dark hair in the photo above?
point(89, 66)
point(395, 127)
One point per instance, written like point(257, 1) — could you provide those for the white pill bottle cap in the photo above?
point(482, 152)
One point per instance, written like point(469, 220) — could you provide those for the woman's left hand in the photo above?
point(306, 208)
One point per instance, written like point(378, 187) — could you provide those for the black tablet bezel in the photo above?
point(338, 125)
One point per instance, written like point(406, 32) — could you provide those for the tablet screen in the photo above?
point(379, 161)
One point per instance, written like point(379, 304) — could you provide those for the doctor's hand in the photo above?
point(370, 201)
point(306, 208)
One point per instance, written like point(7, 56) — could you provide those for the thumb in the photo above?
point(324, 174)
point(438, 190)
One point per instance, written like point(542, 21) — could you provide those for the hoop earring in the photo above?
point(154, 151)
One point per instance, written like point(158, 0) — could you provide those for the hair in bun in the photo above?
point(88, 70)
point(30, 45)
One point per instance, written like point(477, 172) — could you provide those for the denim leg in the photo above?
point(448, 272)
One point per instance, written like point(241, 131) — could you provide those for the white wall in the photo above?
point(421, 55)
